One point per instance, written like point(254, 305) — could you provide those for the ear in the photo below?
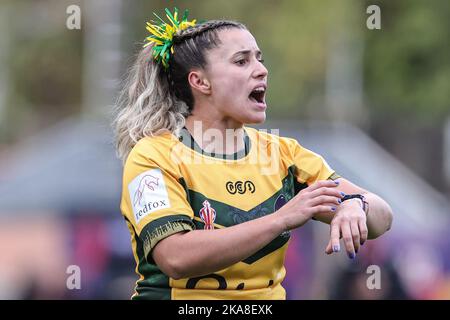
point(198, 81)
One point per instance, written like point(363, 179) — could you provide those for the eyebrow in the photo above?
point(245, 52)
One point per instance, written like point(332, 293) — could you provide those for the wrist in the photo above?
point(356, 199)
point(352, 203)
point(278, 221)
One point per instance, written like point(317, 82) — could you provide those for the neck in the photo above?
point(222, 136)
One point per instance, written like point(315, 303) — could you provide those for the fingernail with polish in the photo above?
point(342, 194)
point(336, 248)
point(337, 182)
point(333, 208)
point(351, 255)
point(339, 201)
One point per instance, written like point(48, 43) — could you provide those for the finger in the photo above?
point(324, 191)
point(325, 200)
point(355, 235)
point(322, 183)
point(334, 237)
point(322, 208)
point(364, 233)
point(328, 204)
point(348, 240)
point(328, 248)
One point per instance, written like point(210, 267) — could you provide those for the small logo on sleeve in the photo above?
point(148, 193)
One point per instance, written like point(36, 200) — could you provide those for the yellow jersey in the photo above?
point(171, 185)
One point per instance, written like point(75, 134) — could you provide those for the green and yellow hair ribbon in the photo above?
point(162, 34)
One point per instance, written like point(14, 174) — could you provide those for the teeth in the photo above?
point(259, 90)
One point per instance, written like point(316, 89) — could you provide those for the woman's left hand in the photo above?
point(349, 223)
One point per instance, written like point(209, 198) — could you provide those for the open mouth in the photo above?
point(258, 95)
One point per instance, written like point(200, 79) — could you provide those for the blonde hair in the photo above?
point(153, 100)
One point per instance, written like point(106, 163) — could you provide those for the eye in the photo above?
point(241, 62)
point(261, 60)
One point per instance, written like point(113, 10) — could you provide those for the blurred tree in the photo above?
point(407, 82)
point(407, 62)
point(46, 72)
point(44, 60)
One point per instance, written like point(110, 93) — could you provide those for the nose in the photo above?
point(260, 70)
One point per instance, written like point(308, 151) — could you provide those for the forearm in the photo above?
point(201, 252)
point(379, 215)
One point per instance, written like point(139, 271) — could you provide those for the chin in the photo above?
point(256, 119)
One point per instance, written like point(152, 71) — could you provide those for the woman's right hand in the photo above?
point(321, 196)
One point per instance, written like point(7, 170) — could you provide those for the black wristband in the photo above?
point(365, 205)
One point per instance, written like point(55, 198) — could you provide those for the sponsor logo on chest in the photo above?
point(240, 187)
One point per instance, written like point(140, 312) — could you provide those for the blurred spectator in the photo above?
point(351, 282)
